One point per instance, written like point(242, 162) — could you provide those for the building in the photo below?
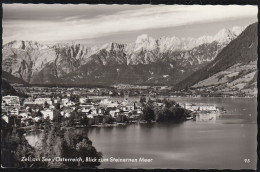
point(41, 101)
point(108, 103)
point(13, 111)
point(28, 101)
point(87, 108)
point(55, 101)
point(66, 112)
point(23, 115)
point(65, 100)
point(82, 100)
point(36, 119)
point(194, 107)
point(138, 105)
point(5, 118)
point(130, 106)
point(47, 113)
point(11, 101)
point(69, 103)
point(114, 113)
point(158, 104)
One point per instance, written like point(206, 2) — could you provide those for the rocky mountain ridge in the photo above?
point(39, 63)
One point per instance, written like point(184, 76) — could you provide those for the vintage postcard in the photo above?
point(129, 86)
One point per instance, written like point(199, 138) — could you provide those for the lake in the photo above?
point(224, 143)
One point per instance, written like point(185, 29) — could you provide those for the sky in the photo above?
point(99, 24)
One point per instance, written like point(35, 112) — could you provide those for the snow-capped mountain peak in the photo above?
point(144, 42)
point(224, 35)
point(18, 44)
point(112, 46)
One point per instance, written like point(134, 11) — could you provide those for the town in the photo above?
point(76, 111)
point(89, 107)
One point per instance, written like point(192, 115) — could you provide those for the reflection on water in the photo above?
point(222, 144)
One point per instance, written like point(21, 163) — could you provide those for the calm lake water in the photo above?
point(224, 143)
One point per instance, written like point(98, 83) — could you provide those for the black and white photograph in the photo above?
point(129, 86)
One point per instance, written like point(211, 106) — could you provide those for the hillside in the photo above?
point(7, 89)
point(239, 79)
point(234, 60)
point(12, 79)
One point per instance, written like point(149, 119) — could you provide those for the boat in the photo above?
point(189, 118)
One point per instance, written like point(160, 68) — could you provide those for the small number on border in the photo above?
point(247, 161)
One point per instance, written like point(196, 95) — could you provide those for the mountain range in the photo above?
point(147, 61)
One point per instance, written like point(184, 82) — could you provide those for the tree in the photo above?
point(39, 114)
point(122, 118)
point(158, 114)
point(148, 114)
point(108, 119)
point(46, 105)
point(168, 103)
point(57, 106)
point(107, 111)
point(84, 120)
point(142, 100)
point(30, 109)
point(57, 116)
point(68, 144)
point(74, 98)
point(14, 146)
point(150, 102)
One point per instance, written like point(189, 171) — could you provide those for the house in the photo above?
point(158, 104)
point(100, 111)
point(123, 108)
point(64, 101)
point(138, 105)
point(87, 108)
point(94, 111)
point(194, 107)
point(36, 119)
point(5, 118)
point(47, 113)
point(108, 103)
point(114, 113)
point(82, 100)
point(28, 101)
point(130, 106)
point(66, 112)
point(52, 107)
point(66, 115)
point(23, 115)
point(70, 103)
point(55, 101)
point(13, 111)
point(90, 116)
point(41, 101)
